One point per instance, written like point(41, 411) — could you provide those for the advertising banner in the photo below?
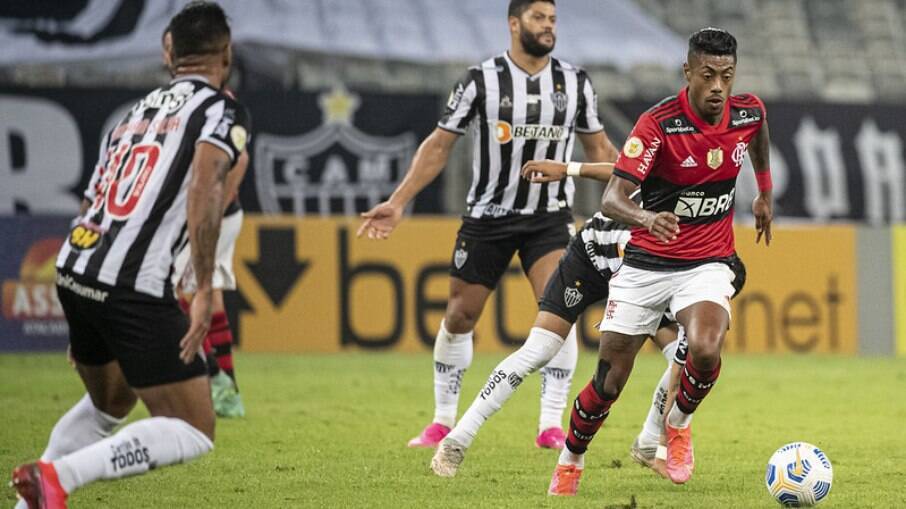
point(311, 286)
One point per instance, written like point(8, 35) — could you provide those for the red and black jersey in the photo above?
point(688, 167)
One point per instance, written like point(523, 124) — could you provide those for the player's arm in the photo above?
point(234, 178)
point(549, 171)
point(205, 210)
point(763, 205)
point(599, 153)
point(428, 162)
point(617, 205)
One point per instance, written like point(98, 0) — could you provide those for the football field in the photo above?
point(330, 431)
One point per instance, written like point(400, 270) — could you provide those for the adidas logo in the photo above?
point(689, 162)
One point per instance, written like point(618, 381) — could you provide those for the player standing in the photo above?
point(164, 167)
point(520, 105)
point(685, 153)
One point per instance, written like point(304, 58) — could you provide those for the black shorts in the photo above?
point(575, 285)
point(484, 247)
point(140, 331)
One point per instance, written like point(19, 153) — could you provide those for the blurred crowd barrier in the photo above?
point(340, 152)
point(309, 285)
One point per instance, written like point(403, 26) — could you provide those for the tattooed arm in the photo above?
point(205, 210)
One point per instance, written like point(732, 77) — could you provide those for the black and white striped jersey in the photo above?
point(514, 118)
point(605, 239)
point(136, 223)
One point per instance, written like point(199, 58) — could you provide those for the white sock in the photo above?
point(568, 457)
point(669, 351)
point(82, 425)
point(540, 347)
point(556, 378)
point(654, 423)
point(677, 418)
point(452, 356)
point(138, 447)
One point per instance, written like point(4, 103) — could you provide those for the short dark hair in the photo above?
point(200, 28)
point(517, 7)
point(713, 41)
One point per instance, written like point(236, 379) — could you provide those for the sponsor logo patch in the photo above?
point(699, 206)
point(238, 136)
point(633, 147)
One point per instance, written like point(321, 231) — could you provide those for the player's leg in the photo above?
point(645, 446)
point(557, 374)
point(539, 254)
point(177, 395)
point(636, 303)
point(475, 269)
point(703, 300)
point(616, 357)
point(555, 318)
point(220, 335)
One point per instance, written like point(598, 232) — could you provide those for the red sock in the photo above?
point(695, 384)
point(221, 338)
point(588, 414)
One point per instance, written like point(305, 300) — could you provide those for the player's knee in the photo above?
point(460, 321)
point(705, 349)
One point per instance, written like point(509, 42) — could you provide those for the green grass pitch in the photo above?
point(330, 431)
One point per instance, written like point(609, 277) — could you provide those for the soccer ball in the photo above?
point(799, 474)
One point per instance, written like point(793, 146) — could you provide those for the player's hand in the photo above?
point(664, 226)
point(543, 171)
point(381, 220)
point(763, 211)
point(200, 322)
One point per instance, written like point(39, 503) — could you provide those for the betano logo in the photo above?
point(505, 132)
point(33, 296)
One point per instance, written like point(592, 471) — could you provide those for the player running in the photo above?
point(164, 168)
point(519, 106)
point(581, 280)
point(685, 153)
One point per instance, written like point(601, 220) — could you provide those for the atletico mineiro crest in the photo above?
point(715, 158)
point(572, 296)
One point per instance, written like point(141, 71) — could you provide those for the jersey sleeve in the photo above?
point(92, 190)
point(226, 126)
point(641, 151)
point(462, 104)
point(587, 120)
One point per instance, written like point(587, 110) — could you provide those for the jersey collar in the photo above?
point(701, 124)
point(514, 65)
point(187, 77)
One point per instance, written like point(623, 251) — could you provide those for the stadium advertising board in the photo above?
point(334, 152)
point(30, 314)
point(311, 286)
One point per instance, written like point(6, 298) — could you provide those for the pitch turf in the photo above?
point(330, 431)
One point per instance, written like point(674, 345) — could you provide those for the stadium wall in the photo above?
point(309, 285)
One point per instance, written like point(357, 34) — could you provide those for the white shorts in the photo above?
point(638, 298)
point(224, 279)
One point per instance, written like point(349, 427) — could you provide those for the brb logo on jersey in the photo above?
point(695, 204)
point(506, 132)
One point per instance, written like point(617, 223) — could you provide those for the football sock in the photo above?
point(138, 447)
point(538, 349)
point(82, 425)
point(556, 378)
point(209, 358)
point(654, 423)
point(221, 338)
point(589, 412)
point(695, 384)
point(452, 356)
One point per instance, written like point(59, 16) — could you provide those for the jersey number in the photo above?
point(130, 167)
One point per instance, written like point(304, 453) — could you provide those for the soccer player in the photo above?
point(520, 105)
point(164, 168)
point(581, 280)
point(685, 154)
